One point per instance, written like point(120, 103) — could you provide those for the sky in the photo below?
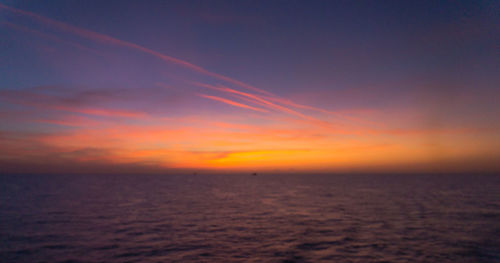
point(268, 86)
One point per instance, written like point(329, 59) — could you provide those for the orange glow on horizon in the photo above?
point(201, 144)
point(127, 103)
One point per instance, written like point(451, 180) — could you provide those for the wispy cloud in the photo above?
point(50, 37)
point(256, 98)
point(73, 121)
point(114, 41)
point(233, 103)
point(79, 102)
point(101, 111)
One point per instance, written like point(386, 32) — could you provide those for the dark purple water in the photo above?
point(264, 218)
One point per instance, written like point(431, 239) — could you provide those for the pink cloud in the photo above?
point(74, 121)
point(101, 112)
point(234, 103)
point(254, 97)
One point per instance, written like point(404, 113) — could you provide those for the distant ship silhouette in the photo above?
point(254, 174)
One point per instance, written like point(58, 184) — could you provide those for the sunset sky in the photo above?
point(272, 86)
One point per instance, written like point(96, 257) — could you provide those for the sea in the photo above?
point(250, 218)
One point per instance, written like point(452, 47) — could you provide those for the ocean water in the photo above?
point(243, 218)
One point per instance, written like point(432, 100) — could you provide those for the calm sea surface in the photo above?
point(243, 218)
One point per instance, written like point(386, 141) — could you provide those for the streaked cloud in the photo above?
point(114, 41)
point(233, 103)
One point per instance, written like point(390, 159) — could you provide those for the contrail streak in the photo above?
point(111, 40)
point(234, 103)
point(254, 97)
